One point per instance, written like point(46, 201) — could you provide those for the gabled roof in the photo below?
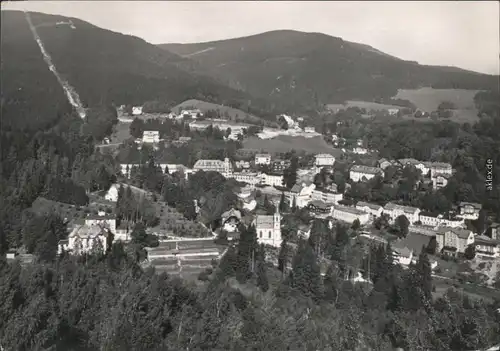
point(324, 156)
point(406, 209)
point(486, 240)
point(296, 188)
point(231, 213)
point(366, 169)
point(320, 204)
point(473, 204)
point(349, 210)
point(209, 164)
point(369, 205)
point(264, 221)
point(460, 232)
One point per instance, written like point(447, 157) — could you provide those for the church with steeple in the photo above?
point(268, 228)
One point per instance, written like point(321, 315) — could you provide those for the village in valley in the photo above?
point(281, 196)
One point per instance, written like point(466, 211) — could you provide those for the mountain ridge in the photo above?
point(316, 68)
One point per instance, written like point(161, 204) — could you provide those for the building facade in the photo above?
point(224, 167)
point(349, 214)
point(268, 229)
point(452, 241)
point(360, 173)
point(394, 211)
point(262, 159)
point(326, 196)
point(373, 210)
point(324, 160)
point(151, 136)
point(469, 210)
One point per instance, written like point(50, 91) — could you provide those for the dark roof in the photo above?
point(414, 241)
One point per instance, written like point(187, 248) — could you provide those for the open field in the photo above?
point(69, 212)
point(227, 112)
point(428, 99)
point(284, 143)
point(472, 290)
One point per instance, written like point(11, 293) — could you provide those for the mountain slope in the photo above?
point(104, 67)
point(31, 96)
point(317, 68)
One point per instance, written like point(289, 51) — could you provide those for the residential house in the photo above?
point(384, 163)
point(360, 150)
point(318, 206)
point(224, 167)
point(231, 219)
point(268, 229)
point(309, 130)
point(192, 113)
point(402, 255)
point(300, 194)
point(394, 211)
point(137, 110)
point(182, 140)
point(173, 168)
point(262, 159)
point(278, 166)
point(415, 163)
point(151, 136)
point(324, 160)
point(326, 196)
point(84, 239)
point(244, 165)
point(373, 209)
point(452, 241)
point(434, 220)
point(271, 179)
point(360, 173)
point(112, 193)
point(102, 220)
point(393, 111)
point(469, 210)
point(246, 177)
point(440, 180)
point(487, 247)
point(439, 168)
point(349, 214)
point(123, 233)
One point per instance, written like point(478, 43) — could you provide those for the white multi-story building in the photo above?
point(432, 220)
point(268, 229)
point(439, 168)
point(373, 209)
point(394, 211)
point(359, 173)
point(151, 136)
point(439, 180)
point(453, 240)
point(263, 159)
point(137, 110)
point(85, 239)
point(324, 160)
point(246, 177)
point(422, 166)
point(360, 150)
point(300, 195)
point(349, 214)
point(326, 196)
point(469, 210)
point(102, 220)
point(271, 179)
point(224, 167)
point(112, 193)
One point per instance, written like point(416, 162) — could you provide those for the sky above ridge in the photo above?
point(449, 33)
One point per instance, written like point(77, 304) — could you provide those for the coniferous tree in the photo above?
point(283, 257)
point(247, 250)
point(305, 277)
point(262, 280)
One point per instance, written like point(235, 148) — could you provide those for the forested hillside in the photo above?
point(104, 67)
point(315, 69)
point(27, 83)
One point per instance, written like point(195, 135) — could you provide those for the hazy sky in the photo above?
point(453, 33)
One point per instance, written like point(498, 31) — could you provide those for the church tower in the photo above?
point(277, 227)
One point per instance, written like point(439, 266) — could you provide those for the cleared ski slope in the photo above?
point(71, 94)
